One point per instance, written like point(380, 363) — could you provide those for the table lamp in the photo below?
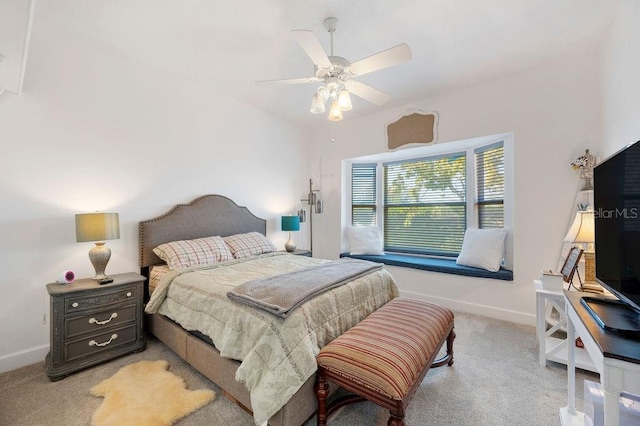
point(582, 232)
point(98, 227)
point(290, 223)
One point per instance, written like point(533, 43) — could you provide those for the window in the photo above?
point(490, 186)
point(428, 202)
point(363, 194)
point(424, 205)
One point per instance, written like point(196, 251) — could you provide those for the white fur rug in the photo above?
point(146, 394)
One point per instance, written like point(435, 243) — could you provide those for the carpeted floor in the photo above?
point(495, 380)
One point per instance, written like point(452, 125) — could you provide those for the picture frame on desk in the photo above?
point(570, 265)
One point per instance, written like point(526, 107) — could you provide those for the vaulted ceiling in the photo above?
point(228, 45)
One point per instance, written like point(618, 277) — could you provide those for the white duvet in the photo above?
point(277, 355)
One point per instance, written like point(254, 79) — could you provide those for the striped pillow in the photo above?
point(249, 244)
point(201, 251)
point(389, 349)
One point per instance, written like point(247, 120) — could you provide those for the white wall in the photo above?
point(621, 82)
point(554, 113)
point(95, 131)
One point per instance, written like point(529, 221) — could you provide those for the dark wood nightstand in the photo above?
point(301, 252)
point(93, 323)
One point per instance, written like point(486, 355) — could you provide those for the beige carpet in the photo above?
point(496, 380)
point(146, 394)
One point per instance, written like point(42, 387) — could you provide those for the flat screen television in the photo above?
point(616, 199)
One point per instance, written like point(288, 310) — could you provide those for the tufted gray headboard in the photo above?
point(205, 216)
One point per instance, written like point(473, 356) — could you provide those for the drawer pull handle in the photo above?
point(94, 343)
point(74, 304)
point(95, 321)
point(128, 294)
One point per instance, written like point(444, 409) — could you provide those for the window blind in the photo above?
point(490, 185)
point(363, 194)
point(425, 205)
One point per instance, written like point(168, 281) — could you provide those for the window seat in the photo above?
point(447, 266)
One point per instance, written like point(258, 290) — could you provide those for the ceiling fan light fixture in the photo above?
point(317, 104)
point(344, 100)
point(336, 74)
point(336, 113)
point(324, 93)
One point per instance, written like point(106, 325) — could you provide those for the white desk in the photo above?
point(618, 372)
point(555, 348)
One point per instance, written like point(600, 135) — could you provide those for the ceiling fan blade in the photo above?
point(288, 81)
point(367, 92)
point(392, 56)
point(312, 47)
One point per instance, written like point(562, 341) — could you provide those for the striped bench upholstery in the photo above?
point(384, 358)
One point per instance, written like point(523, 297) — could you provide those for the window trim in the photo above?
point(468, 145)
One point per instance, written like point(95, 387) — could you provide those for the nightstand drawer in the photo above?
point(100, 342)
point(77, 304)
point(99, 321)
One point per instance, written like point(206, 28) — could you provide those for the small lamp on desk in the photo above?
point(98, 227)
point(290, 223)
point(582, 232)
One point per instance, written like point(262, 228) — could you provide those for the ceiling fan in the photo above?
point(336, 73)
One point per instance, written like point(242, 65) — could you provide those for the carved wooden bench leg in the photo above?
point(448, 358)
point(322, 393)
point(450, 339)
point(396, 418)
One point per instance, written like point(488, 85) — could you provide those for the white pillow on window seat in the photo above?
point(483, 248)
point(365, 240)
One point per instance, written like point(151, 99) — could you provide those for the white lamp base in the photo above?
point(290, 246)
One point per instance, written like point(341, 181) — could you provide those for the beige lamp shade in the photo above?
point(582, 230)
point(97, 227)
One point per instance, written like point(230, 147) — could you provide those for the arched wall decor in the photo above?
point(412, 128)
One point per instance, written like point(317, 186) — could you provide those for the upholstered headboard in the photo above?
point(205, 216)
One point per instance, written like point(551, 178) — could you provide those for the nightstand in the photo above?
point(93, 323)
point(301, 252)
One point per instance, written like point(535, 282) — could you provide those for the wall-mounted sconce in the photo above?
point(302, 214)
point(313, 198)
point(315, 206)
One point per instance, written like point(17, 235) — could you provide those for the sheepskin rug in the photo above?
point(145, 393)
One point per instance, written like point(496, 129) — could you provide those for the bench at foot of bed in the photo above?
point(384, 358)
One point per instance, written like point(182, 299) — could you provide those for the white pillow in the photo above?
point(483, 248)
point(365, 240)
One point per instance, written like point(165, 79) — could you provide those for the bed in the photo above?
point(196, 343)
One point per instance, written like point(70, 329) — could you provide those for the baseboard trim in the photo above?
point(476, 309)
point(23, 358)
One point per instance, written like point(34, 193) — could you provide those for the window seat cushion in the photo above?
point(447, 266)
